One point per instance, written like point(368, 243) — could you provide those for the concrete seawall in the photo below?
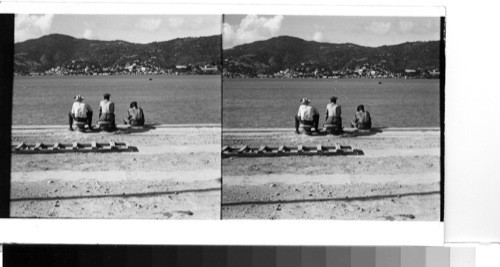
point(347, 130)
point(120, 127)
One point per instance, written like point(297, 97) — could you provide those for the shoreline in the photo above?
point(346, 129)
point(120, 126)
point(332, 78)
point(79, 75)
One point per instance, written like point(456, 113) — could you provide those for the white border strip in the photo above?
point(219, 9)
point(230, 232)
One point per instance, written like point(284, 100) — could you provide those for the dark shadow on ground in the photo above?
point(136, 129)
point(133, 148)
point(147, 194)
point(349, 199)
point(357, 133)
point(125, 129)
point(347, 133)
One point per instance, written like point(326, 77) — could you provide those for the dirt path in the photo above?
point(397, 178)
point(175, 174)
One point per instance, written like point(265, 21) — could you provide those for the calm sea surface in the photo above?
point(165, 99)
point(274, 102)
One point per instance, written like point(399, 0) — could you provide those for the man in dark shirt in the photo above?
point(362, 119)
point(135, 115)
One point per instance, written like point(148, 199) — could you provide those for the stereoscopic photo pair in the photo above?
point(227, 117)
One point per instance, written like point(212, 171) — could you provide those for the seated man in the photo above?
point(135, 115)
point(333, 113)
point(307, 114)
point(80, 112)
point(107, 111)
point(362, 119)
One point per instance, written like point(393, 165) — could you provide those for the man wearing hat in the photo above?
point(307, 115)
point(333, 112)
point(107, 110)
point(80, 112)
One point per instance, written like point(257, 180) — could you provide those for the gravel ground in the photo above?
point(397, 178)
point(175, 174)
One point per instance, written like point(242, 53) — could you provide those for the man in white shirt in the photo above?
point(107, 110)
point(80, 112)
point(307, 114)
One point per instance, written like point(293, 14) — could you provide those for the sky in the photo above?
point(366, 31)
point(130, 28)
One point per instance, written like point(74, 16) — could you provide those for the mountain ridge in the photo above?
point(57, 50)
point(285, 53)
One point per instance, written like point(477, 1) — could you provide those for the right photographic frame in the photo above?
point(333, 117)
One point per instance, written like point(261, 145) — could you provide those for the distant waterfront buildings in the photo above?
point(79, 67)
point(235, 69)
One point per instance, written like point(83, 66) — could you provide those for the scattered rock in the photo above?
point(185, 212)
point(409, 216)
point(278, 208)
point(389, 218)
point(272, 185)
point(88, 191)
point(50, 182)
point(74, 186)
point(296, 190)
point(166, 214)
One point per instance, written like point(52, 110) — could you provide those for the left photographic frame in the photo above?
point(116, 116)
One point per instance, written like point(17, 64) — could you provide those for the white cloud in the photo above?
point(318, 37)
point(405, 26)
point(379, 27)
point(31, 26)
point(87, 34)
point(252, 28)
point(149, 24)
point(175, 22)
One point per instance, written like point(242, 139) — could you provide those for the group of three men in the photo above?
point(82, 112)
point(309, 115)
